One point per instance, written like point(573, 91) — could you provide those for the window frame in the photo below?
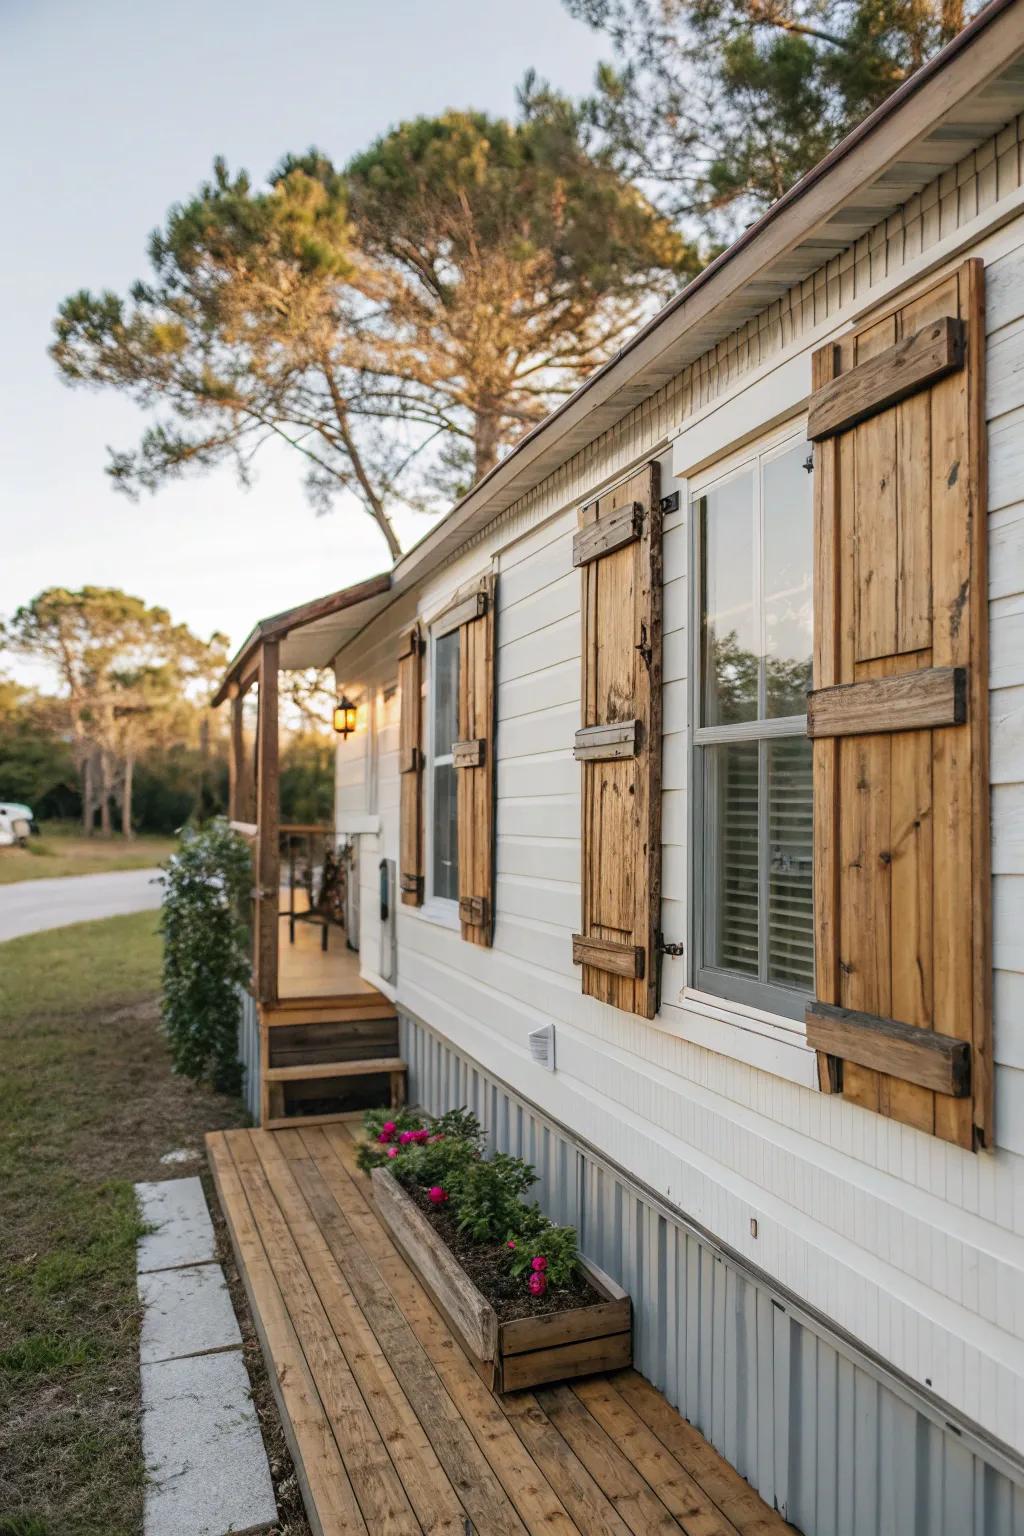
point(441, 908)
point(768, 997)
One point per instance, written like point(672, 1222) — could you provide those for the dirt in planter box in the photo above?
point(487, 1267)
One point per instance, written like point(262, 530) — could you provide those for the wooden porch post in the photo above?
point(268, 874)
point(236, 753)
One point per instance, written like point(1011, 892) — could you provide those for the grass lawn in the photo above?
point(88, 1105)
point(62, 850)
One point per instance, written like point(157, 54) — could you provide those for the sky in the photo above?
point(112, 110)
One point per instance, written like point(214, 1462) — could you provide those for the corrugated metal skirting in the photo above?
point(249, 1053)
point(822, 1431)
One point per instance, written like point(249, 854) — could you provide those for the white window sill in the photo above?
point(767, 1041)
point(444, 913)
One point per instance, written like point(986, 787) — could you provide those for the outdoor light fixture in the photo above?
point(344, 716)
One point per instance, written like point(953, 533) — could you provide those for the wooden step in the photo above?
point(297, 1045)
point(321, 1011)
point(368, 1067)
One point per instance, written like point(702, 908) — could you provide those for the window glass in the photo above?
point(446, 834)
point(755, 921)
point(444, 826)
point(446, 693)
point(790, 959)
point(730, 650)
point(731, 937)
point(787, 532)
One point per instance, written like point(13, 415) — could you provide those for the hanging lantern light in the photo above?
point(344, 716)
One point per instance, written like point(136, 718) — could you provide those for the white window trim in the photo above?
point(436, 909)
point(742, 1017)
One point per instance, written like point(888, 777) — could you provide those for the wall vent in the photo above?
point(542, 1046)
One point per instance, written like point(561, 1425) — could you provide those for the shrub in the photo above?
point(206, 888)
point(487, 1196)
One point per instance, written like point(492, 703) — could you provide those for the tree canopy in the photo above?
point(397, 324)
point(719, 106)
point(129, 678)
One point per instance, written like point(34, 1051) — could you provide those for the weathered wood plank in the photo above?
point(609, 1352)
point(462, 611)
point(475, 784)
point(473, 911)
point(310, 1071)
point(469, 754)
point(323, 1480)
point(470, 1313)
point(608, 533)
point(551, 1328)
point(938, 1062)
point(602, 743)
point(675, 1486)
point(909, 365)
point(385, 1281)
point(605, 955)
point(917, 700)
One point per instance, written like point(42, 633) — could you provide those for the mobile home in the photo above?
point(685, 807)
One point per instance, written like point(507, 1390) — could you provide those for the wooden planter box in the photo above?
point(528, 1351)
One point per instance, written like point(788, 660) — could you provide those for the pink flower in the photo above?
point(406, 1137)
point(421, 1135)
point(384, 1136)
point(438, 1137)
point(511, 1243)
point(437, 1195)
point(537, 1283)
point(392, 1151)
point(388, 1128)
point(539, 1264)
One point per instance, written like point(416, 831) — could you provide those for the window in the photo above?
point(754, 940)
point(444, 729)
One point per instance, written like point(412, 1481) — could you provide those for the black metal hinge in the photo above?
point(661, 948)
point(670, 503)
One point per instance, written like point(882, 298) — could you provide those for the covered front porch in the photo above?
point(389, 1425)
point(326, 1041)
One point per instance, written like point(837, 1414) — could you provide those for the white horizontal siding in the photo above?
point(913, 1246)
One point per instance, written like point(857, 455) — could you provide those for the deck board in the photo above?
point(305, 970)
point(391, 1429)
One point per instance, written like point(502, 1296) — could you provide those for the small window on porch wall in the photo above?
point(444, 730)
point(753, 796)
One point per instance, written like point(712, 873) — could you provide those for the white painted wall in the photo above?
point(913, 1246)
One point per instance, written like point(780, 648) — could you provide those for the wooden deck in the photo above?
point(392, 1431)
point(305, 970)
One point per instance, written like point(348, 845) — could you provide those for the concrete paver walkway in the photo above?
point(29, 906)
point(206, 1468)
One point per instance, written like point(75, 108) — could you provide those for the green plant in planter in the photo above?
point(487, 1196)
point(555, 1246)
point(206, 962)
point(439, 1162)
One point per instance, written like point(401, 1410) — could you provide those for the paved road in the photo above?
point(28, 906)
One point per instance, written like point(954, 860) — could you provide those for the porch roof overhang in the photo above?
point(309, 635)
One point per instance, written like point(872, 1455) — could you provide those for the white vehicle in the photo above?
point(15, 823)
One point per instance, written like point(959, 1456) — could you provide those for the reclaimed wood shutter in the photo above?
point(473, 758)
point(899, 716)
point(618, 552)
point(410, 769)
